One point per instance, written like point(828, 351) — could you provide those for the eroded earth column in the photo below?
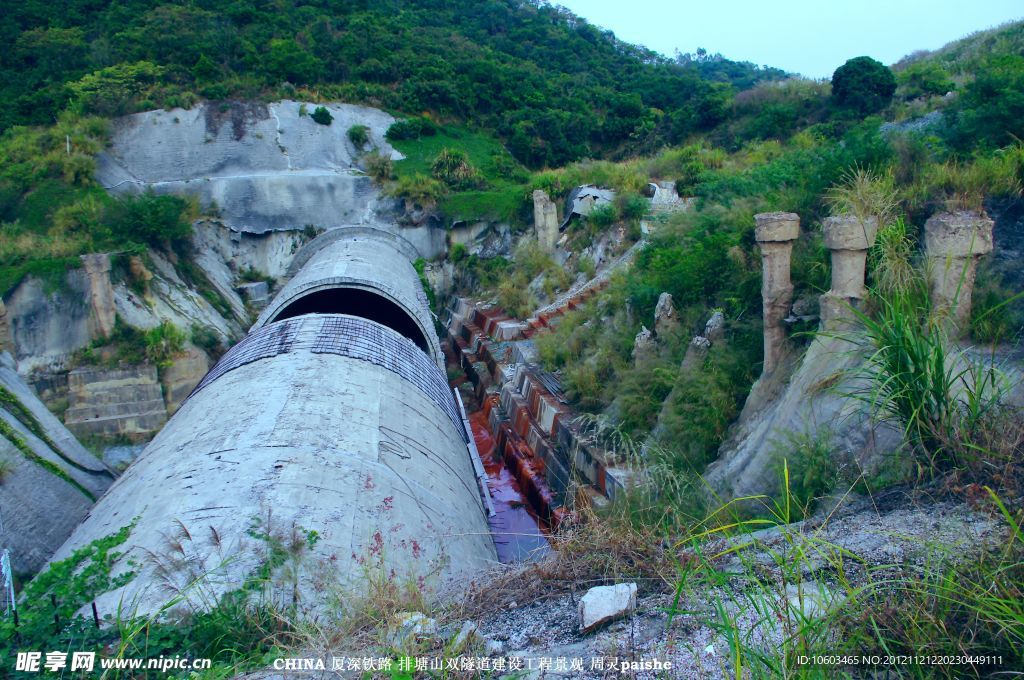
point(775, 234)
point(953, 243)
point(545, 220)
point(849, 239)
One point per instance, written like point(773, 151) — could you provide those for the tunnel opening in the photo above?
point(357, 302)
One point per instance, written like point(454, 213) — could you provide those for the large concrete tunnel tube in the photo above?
point(329, 422)
point(361, 261)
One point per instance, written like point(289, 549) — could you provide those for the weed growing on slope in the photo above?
point(780, 594)
point(243, 628)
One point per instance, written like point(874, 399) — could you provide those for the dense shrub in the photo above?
point(631, 207)
point(111, 91)
point(924, 79)
point(322, 116)
point(452, 167)
point(150, 219)
point(379, 166)
point(603, 216)
point(864, 85)
point(418, 189)
point(990, 111)
point(413, 128)
point(163, 342)
point(359, 135)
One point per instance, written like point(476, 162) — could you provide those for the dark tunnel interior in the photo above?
point(357, 302)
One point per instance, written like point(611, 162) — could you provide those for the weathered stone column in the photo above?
point(775, 233)
point(6, 342)
point(545, 220)
point(101, 294)
point(849, 239)
point(953, 243)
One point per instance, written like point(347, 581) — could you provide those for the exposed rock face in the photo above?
point(180, 378)
point(775, 234)
point(115, 402)
point(714, 329)
point(485, 239)
point(813, 401)
point(137, 268)
point(172, 299)
point(51, 320)
point(270, 253)
point(545, 220)
point(47, 325)
point(606, 603)
point(39, 508)
point(954, 242)
point(266, 166)
point(101, 294)
point(256, 293)
point(267, 169)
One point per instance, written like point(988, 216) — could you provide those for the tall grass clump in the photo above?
point(863, 194)
point(939, 394)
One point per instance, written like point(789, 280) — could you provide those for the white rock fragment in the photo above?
point(465, 636)
point(606, 603)
point(411, 625)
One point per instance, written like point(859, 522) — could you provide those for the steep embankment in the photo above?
point(48, 481)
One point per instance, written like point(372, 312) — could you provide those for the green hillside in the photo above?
point(553, 86)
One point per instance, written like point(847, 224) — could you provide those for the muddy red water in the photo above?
point(518, 533)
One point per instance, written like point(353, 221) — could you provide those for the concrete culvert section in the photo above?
point(357, 302)
point(342, 424)
point(365, 276)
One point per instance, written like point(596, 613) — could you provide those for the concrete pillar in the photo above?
point(775, 233)
point(849, 239)
point(101, 294)
point(953, 243)
point(545, 220)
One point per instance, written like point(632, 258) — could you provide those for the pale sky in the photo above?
point(809, 37)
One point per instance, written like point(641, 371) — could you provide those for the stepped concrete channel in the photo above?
point(333, 415)
point(536, 435)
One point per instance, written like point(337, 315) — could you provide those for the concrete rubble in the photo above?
point(409, 627)
point(582, 200)
point(644, 347)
